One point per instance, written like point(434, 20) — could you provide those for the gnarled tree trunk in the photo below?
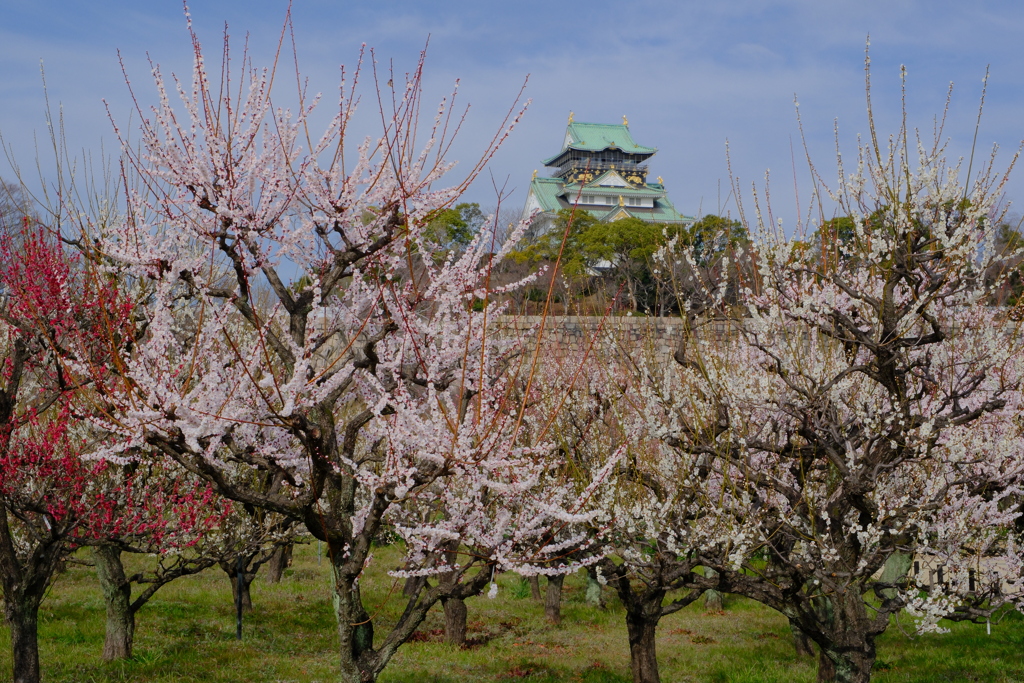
point(852, 663)
point(595, 594)
point(117, 594)
point(846, 635)
point(248, 575)
point(280, 560)
point(454, 607)
point(553, 599)
point(413, 585)
point(455, 616)
point(355, 628)
point(23, 620)
point(826, 669)
point(121, 605)
point(360, 661)
point(801, 643)
point(713, 600)
point(850, 657)
point(534, 582)
point(24, 583)
point(642, 601)
point(642, 617)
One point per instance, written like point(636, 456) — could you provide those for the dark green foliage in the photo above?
point(619, 258)
point(456, 227)
point(712, 236)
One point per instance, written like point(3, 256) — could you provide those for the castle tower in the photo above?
point(602, 170)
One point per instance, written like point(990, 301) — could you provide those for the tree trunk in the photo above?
point(850, 639)
point(553, 599)
point(826, 669)
point(23, 620)
point(713, 600)
point(279, 562)
point(413, 585)
point(231, 569)
point(360, 661)
point(801, 643)
point(117, 594)
point(643, 657)
point(535, 588)
point(632, 293)
point(355, 628)
point(246, 594)
point(595, 594)
point(455, 614)
point(24, 585)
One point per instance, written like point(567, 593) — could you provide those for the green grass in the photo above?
point(187, 632)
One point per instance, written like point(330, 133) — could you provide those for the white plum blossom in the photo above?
point(309, 351)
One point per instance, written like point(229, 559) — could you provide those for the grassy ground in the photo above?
point(187, 632)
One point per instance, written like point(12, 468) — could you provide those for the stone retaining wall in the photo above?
point(660, 335)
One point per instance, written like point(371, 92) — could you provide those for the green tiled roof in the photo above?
point(664, 212)
point(546, 190)
point(553, 196)
point(570, 191)
point(594, 137)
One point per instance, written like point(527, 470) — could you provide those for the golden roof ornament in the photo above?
point(534, 174)
point(622, 202)
point(570, 117)
point(659, 180)
point(625, 121)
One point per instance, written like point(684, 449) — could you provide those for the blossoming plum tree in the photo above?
point(656, 520)
point(61, 331)
point(303, 330)
point(861, 414)
point(219, 535)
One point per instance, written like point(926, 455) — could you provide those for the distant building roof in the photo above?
point(597, 137)
point(551, 195)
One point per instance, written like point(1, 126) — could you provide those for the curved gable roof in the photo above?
point(595, 137)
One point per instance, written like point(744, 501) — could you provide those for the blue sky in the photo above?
point(689, 75)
